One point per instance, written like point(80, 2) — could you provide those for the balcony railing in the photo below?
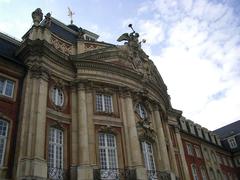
point(158, 175)
point(55, 173)
point(114, 174)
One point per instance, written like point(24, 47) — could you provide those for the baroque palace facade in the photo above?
point(72, 107)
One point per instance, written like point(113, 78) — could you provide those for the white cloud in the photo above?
point(198, 57)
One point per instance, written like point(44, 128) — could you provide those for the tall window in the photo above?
point(141, 111)
point(6, 87)
point(232, 142)
point(3, 139)
point(107, 151)
point(55, 154)
point(104, 103)
point(57, 96)
point(194, 172)
point(198, 151)
point(149, 159)
point(189, 149)
point(204, 173)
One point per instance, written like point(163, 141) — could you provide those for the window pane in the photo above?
point(1, 86)
point(3, 139)
point(99, 103)
point(108, 103)
point(9, 88)
point(55, 154)
point(107, 151)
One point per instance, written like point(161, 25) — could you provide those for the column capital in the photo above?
point(39, 72)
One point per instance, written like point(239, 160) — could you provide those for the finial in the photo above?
point(70, 14)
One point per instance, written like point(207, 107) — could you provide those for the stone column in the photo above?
point(74, 132)
point(31, 161)
point(125, 129)
point(182, 155)
point(172, 152)
point(84, 170)
point(136, 154)
point(161, 139)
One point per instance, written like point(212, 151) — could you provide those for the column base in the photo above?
point(32, 168)
point(141, 173)
point(84, 172)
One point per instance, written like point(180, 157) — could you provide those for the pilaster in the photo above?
point(31, 161)
point(161, 139)
point(136, 158)
point(84, 171)
point(182, 155)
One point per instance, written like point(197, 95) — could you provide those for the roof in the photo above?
point(8, 46)
point(228, 130)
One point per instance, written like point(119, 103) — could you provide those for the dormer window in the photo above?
point(57, 96)
point(141, 111)
point(104, 103)
point(232, 143)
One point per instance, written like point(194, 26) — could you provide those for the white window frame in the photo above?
point(57, 96)
point(3, 138)
point(4, 87)
point(148, 156)
point(141, 110)
point(194, 172)
point(102, 105)
point(232, 142)
point(106, 137)
point(190, 149)
point(56, 146)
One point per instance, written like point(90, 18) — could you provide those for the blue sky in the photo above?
point(195, 44)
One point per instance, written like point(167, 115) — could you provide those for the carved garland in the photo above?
point(60, 45)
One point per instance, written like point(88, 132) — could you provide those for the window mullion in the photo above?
point(106, 151)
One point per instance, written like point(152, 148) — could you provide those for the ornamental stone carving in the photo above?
point(60, 45)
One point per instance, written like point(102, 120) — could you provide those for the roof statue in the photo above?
point(48, 20)
point(37, 16)
point(70, 14)
point(137, 56)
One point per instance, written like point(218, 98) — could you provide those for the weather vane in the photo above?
point(70, 14)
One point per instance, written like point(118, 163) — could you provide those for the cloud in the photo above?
point(198, 56)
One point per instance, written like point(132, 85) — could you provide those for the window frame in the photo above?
point(5, 143)
point(204, 173)
point(232, 142)
point(141, 111)
point(101, 103)
point(194, 172)
point(106, 148)
point(198, 151)
point(59, 170)
point(189, 149)
point(57, 96)
point(147, 155)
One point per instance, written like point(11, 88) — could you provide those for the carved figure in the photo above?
point(37, 16)
point(48, 20)
point(81, 33)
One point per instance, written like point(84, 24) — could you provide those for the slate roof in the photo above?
point(8, 47)
point(228, 130)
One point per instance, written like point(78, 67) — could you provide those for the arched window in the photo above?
point(141, 111)
point(3, 139)
point(212, 175)
point(57, 96)
point(194, 172)
point(55, 154)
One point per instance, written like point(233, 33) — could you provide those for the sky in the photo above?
point(195, 45)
